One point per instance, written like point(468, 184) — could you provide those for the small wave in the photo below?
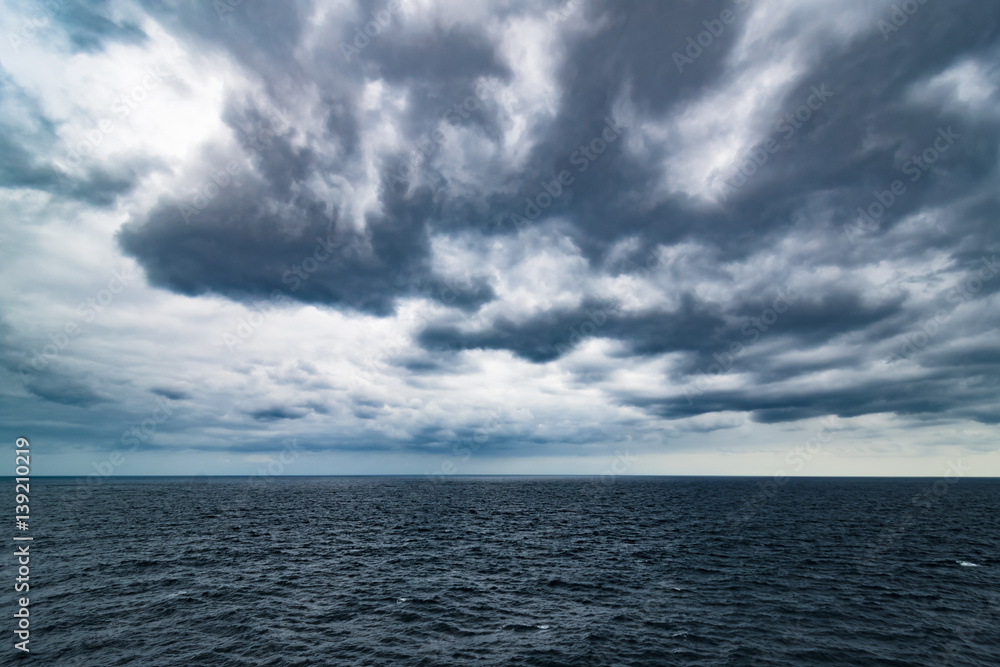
point(965, 563)
point(519, 627)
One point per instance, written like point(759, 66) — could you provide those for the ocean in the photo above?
point(532, 571)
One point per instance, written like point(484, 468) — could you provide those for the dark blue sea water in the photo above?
point(543, 572)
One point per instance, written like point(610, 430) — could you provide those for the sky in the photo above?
point(439, 238)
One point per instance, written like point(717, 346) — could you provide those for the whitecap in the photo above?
point(965, 563)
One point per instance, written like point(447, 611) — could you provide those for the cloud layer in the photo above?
point(392, 223)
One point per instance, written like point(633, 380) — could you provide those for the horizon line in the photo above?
point(453, 476)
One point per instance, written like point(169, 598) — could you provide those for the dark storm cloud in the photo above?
point(551, 334)
point(829, 154)
point(255, 236)
point(64, 389)
point(172, 394)
point(239, 248)
point(867, 84)
point(541, 338)
point(697, 328)
point(938, 393)
point(276, 413)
